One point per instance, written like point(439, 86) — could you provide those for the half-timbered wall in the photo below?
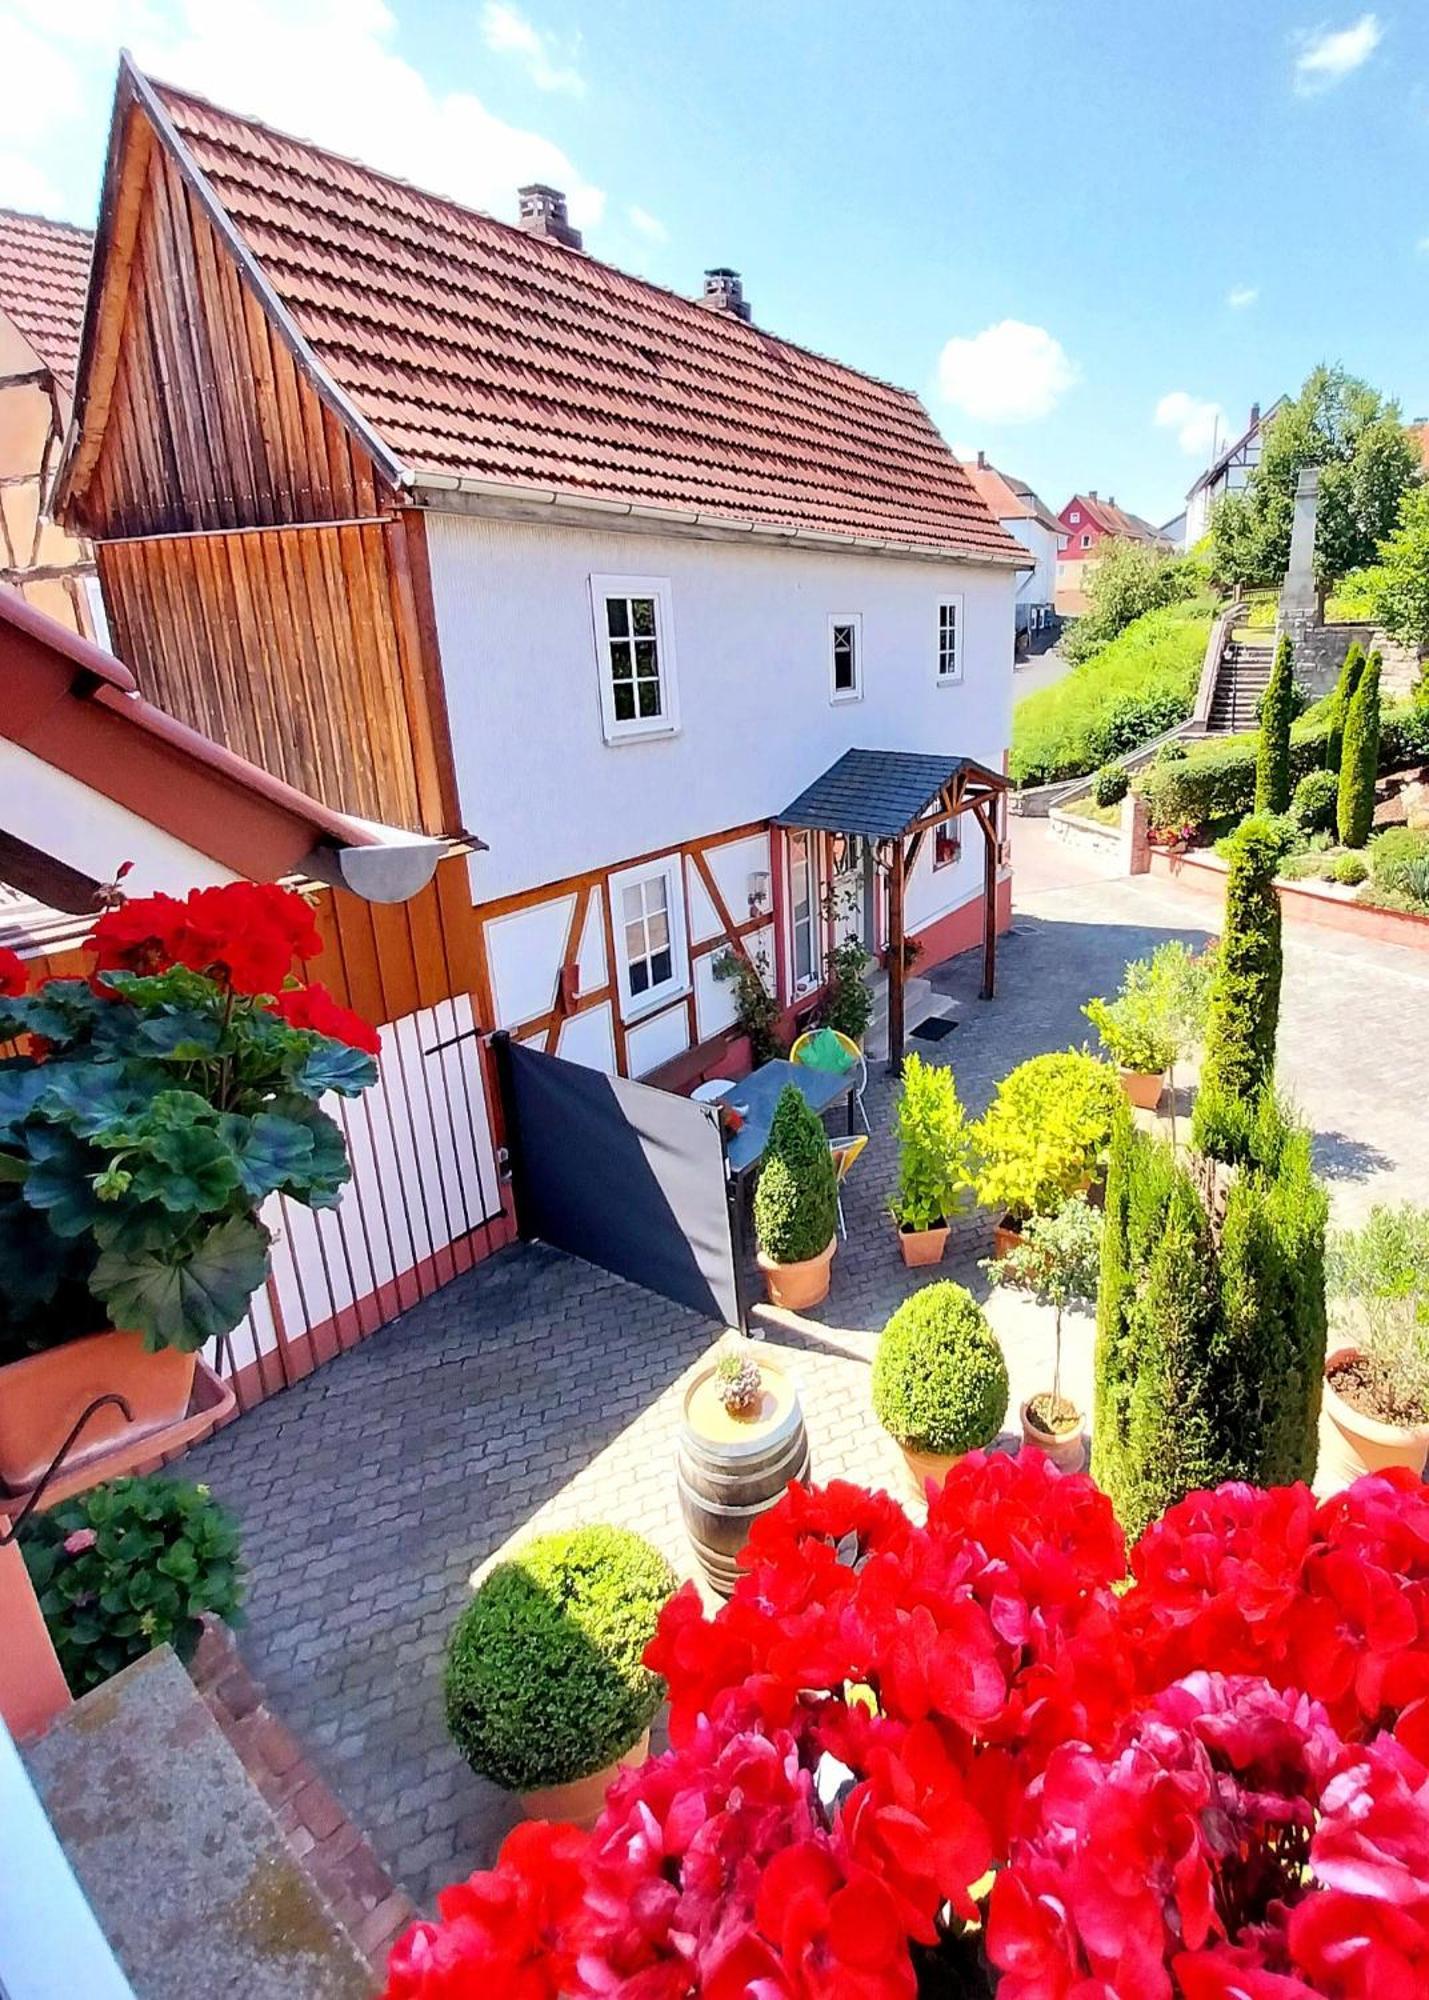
point(258, 576)
point(49, 568)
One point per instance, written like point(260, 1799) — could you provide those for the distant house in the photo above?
point(1030, 521)
point(44, 270)
point(1229, 472)
point(1086, 521)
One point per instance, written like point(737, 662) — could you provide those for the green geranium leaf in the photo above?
point(186, 1035)
point(330, 1065)
point(184, 1304)
point(64, 1010)
point(272, 1152)
point(190, 1171)
point(60, 1182)
point(328, 1170)
point(21, 1088)
point(135, 1228)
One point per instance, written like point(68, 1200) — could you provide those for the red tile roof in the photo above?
point(44, 273)
point(1010, 498)
point(474, 349)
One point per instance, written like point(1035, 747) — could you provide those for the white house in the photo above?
point(1228, 472)
point(455, 526)
point(1029, 520)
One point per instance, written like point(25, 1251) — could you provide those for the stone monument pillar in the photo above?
point(1299, 596)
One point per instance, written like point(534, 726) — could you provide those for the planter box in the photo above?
point(1327, 904)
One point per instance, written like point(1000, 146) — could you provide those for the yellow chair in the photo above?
point(843, 1153)
point(859, 1070)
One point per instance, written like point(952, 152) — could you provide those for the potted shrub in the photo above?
point(1157, 1017)
point(546, 1690)
point(1130, 1038)
point(1058, 1263)
point(1375, 1411)
point(130, 1565)
point(796, 1206)
point(934, 1160)
point(157, 1105)
point(1044, 1136)
point(939, 1380)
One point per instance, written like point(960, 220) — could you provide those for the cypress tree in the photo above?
point(1244, 1008)
point(1351, 667)
point(1272, 757)
point(1210, 1318)
point(1359, 764)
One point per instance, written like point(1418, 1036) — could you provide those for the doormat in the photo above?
point(936, 1030)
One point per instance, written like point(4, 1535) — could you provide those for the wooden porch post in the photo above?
point(895, 960)
point(987, 821)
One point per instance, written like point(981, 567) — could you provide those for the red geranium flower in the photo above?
point(245, 935)
point(14, 974)
point(314, 1007)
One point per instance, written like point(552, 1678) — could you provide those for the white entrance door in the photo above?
point(847, 887)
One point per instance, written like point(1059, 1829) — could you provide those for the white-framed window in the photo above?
point(947, 844)
point(950, 641)
point(1075, 516)
point(845, 656)
point(635, 651)
point(647, 907)
point(803, 912)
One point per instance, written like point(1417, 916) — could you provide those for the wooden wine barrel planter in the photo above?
point(732, 1469)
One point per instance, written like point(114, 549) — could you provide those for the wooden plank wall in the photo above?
point(296, 647)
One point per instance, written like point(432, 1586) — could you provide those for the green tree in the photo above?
point(1396, 585)
point(1244, 1008)
point(1351, 667)
point(1360, 761)
point(1367, 463)
point(1211, 1317)
point(1277, 712)
point(796, 1200)
point(1128, 579)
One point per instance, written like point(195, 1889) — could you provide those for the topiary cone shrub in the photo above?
point(796, 1201)
point(545, 1681)
point(1277, 712)
point(1244, 1008)
point(1360, 761)
point(1351, 667)
point(939, 1377)
point(1211, 1310)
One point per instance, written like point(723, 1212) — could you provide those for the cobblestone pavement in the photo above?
point(536, 1390)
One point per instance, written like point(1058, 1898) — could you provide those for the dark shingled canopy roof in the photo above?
point(881, 793)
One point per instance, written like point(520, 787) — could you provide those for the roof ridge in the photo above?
point(167, 90)
point(47, 221)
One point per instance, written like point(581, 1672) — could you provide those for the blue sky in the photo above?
point(1078, 232)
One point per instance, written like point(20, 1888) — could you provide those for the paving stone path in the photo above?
point(538, 1391)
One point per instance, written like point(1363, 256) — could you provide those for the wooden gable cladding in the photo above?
point(300, 648)
point(208, 419)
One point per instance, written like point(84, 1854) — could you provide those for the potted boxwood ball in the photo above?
point(796, 1205)
point(940, 1384)
point(547, 1693)
point(154, 1108)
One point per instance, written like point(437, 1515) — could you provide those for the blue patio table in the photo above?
point(756, 1097)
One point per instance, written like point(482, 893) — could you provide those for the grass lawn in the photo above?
point(1088, 808)
point(1140, 684)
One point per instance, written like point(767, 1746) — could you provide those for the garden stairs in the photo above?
point(1241, 679)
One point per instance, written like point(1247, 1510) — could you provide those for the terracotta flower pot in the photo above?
point(1143, 1087)
point(580, 1801)
point(1066, 1449)
point(798, 1286)
point(1352, 1443)
point(923, 1246)
point(43, 1396)
point(1006, 1236)
point(921, 1466)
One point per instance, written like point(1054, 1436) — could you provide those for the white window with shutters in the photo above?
point(652, 954)
point(635, 654)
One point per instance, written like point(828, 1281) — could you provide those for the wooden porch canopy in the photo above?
point(894, 798)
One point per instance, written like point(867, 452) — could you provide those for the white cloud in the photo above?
point(649, 226)
point(506, 30)
point(1010, 373)
point(1197, 424)
point(1241, 296)
point(326, 70)
point(24, 185)
point(1331, 54)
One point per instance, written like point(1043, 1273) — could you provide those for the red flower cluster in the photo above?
point(884, 1713)
point(312, 1006)
point(245, 935)
point(14, 974)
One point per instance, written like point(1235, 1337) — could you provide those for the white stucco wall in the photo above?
point(553, 799)
point(1040, 587)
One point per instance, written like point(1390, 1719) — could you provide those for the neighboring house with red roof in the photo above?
point(1029, 520)
point(1088, 520)
point(44, 269)
point(442, 520)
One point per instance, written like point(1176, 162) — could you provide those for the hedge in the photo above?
point(1210, 1331)
point(1136, 687)
point(1217, 783)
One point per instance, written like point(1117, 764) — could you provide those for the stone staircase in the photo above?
point(1240, 683)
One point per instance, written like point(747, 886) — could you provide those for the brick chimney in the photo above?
point(542, 212)
point(1091, 493)
point(724, 292)
point(1254, 415)
point(982, 461)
